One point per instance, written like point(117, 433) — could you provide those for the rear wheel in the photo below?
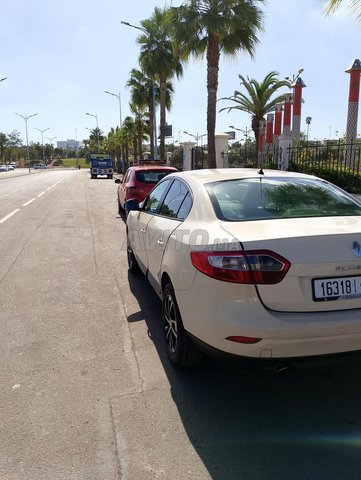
point(181, 350)
point(132, 261)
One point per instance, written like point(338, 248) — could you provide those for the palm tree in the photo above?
point(141, 122)
point(142, 94)
point(354, 6)
point(258, 99)
point(159, 60)
point(212, 27)
point(128, 137)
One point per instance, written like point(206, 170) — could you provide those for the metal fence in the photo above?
point(335, 161)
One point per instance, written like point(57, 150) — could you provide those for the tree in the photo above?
point(3, 143)
point(354, 6)
point(257, 100)
point(159, 60)
point(141, 122)
point(212, 27)
point(142, 95)
point(129, 138)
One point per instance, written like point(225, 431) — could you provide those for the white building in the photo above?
point(69, 144)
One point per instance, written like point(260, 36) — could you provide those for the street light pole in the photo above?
point(245, 132)
point(120, 105)
point(96, 118)
point(196, 137)
point(42, 139)
point(294, 77)
point(153, 93)
point(26, 118)
point(51, 144)
point(120, 166)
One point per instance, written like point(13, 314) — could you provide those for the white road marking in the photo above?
point(28, 203)
point(2, 220)
point(9, 215)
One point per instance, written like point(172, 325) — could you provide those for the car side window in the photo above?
point(185, 207)
point(156, 195)
point(174, 201)
point(127, 175)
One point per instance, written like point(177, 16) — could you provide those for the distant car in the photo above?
point(3, 168)
point(261, 265)
point(138, 181)
point(39, 166)
point(10, 168)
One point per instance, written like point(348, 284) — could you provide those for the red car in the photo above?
point(138, 181)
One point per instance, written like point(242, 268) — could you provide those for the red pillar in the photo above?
point(287, 115)
point(269, 129)
point(353, 101)
point(297, 102)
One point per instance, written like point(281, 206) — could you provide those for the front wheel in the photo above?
point(181, 350)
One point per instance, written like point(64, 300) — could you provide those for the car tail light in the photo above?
point(247, 266)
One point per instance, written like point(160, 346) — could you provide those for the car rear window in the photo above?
point(151, 176)
point(268, 198)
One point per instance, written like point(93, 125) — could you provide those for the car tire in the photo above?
point(182, 352)
point(120, 208)
point(133, 266)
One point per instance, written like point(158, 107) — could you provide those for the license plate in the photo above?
point(341, 288)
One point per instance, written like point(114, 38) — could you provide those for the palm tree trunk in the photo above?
point(151, 129)
point(162, 101)
point(212, 87)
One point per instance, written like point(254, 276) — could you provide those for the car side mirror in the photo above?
point(117, 180)
point(131, 204)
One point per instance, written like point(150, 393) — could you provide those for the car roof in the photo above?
point(152, 167)
point(219, 174)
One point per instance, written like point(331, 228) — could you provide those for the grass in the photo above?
point(74, 162)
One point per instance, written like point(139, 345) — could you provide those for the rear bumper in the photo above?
point(281, 363)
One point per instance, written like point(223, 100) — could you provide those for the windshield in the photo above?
point(151, 176)
point(268, 198)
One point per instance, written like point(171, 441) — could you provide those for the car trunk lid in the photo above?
point(325, 257)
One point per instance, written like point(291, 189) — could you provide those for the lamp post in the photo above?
point(51, 144)
point(294, 77)
point(153, 93)
point(96, 118)
point(42, 139)
point(26, 118)
point(245, 132)
point(120, 105)
point(120, 123)
point(196, 137)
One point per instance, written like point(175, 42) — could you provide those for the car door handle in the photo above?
point(160, 242)
point(142, 230)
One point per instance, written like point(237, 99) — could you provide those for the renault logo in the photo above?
point(356, 248)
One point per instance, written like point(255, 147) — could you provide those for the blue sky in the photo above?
point(60, 55)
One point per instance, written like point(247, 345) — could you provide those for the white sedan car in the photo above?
point(262, 265)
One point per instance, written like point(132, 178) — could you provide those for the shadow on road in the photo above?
point(305, 424)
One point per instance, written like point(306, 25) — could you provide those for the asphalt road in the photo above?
point(87, 392)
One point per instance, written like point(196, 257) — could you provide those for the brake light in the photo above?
point(246, 266)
